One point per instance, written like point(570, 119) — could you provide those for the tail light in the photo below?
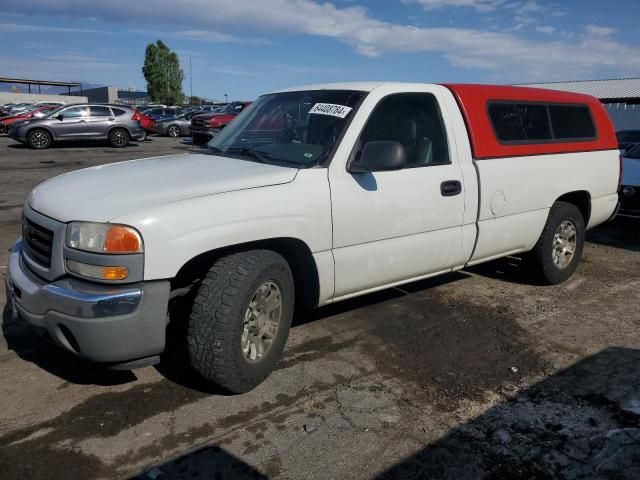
point(620, 173)
point(136, 115)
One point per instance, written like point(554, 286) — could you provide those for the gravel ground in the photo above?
point(474, 375)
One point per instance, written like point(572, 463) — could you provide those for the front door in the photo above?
point(72, 123)
point(392, 226)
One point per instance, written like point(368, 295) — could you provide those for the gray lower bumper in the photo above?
point(102, 323)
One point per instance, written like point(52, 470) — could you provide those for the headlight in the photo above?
point(103, 238)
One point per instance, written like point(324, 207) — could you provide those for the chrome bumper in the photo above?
point(102, 323)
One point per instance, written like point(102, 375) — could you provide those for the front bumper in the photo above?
point(102, 323)
point(629, 201)
point(203, 134)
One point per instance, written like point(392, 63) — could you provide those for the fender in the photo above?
point(175, 233)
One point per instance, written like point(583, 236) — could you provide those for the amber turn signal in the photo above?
point(100, 272)
point(121, 239)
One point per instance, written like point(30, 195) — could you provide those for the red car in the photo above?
point(146, 122)
point(206, 126)
point(6, 121)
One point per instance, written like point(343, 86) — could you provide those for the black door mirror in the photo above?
point(379, 156)
point(59, 116)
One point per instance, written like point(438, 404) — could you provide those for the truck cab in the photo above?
point(310, 196)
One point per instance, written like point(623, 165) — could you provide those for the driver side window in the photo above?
point(413, 120)
point(74, 112)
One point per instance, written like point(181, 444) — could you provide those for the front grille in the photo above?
point(38, 242)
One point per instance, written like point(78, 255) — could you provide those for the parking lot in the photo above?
point(470, 375)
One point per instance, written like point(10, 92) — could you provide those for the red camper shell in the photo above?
point(504, 121)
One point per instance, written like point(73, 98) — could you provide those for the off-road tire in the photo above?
point(541, 257)
point(216, 321)
point(39, 139)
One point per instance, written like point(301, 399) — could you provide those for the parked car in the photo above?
point(630, 184)
point(115, 123)
point(207, 125)
point(308, 197)
point(20, 107)
point(147, 123)
point(41, 111)
point(162, 113)
point(628, 136)
point(178, 126)
point(56, 103)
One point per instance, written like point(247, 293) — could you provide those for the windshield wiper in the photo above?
point(247, 152)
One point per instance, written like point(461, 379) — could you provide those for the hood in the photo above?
point(210, 115)
point(106, 192)
point(631, 172)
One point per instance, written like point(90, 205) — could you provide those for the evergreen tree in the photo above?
point(163, 74)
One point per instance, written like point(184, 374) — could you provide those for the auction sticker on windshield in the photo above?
point(339, 111)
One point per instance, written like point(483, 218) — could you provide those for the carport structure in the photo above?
point(621, 97)
point(40, 83)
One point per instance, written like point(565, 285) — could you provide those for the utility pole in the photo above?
point(190, 83)
point(226, 98)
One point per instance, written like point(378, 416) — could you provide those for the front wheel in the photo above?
point(240, 319)
point(119, 138)
point(559, 248)
point(39, 139)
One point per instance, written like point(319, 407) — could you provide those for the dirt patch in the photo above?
point(453, 351)
point(102, 415)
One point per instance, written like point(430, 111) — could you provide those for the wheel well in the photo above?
point(39, 127)
point(122, 127)
point(581, 199)
point(294, 251)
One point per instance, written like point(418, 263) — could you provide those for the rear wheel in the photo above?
point(174, 131)
point(559, 248)
point(39, 139)
point(240, 319)
point(119, 138)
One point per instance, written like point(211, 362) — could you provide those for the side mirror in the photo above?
point(380, 156)
point(59, 116)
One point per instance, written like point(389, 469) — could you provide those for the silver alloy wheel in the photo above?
point(261, 321)
point(565, 241)
point(173, 131)
point(119, 137)
point(39, 139)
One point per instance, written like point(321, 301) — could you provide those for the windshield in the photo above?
point(49, 113)
point(634, 153)
point(296, 129)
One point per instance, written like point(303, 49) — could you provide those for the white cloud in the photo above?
point(512, 57)
point(599, 31)
point(479, 5)
point(548, 29)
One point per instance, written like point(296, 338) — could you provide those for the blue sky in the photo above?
point(248, 47)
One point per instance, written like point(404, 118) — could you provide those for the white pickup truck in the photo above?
point(310, 196)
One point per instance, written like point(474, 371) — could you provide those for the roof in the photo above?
point(473, 101)
point(615, 89)
point(39, 82)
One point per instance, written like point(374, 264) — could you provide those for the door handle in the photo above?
point(449, 188)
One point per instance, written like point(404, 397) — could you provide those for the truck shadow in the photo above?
point(622, 232)
point(583, 422)
point(203, 464)
point(29, 346)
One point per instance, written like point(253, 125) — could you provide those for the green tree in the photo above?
point(163, 74)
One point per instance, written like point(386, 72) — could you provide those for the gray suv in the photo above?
point(117, 124)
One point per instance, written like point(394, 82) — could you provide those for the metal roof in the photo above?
point(615, 89)
point(39, 82)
